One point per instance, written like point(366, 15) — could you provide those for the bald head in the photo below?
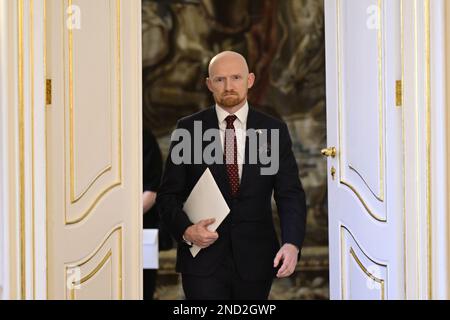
point(227, 58)
point(229, 80)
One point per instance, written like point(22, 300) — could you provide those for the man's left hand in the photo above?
point(289, 254)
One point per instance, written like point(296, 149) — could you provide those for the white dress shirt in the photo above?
point(240, 125)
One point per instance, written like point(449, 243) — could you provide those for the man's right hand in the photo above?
point(199, 235)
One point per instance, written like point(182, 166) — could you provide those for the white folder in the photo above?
point(150, 249)
point(205, 202)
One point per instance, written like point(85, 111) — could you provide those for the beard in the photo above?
point(230, 100)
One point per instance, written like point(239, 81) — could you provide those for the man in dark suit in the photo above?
point(240, 259)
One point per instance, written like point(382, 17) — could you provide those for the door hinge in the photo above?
point(399, 93)
point(48, 92)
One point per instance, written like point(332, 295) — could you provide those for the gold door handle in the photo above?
point(329, 152)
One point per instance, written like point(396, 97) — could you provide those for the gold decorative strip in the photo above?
point(381, 94)
point(102, 172)
point(46, 161)
point(371, 276)
point(118, 229)
point(364, 181)
point(376, 217)
point(119, 82)
point(71, 125)
point(416, 92)
point(21, 148)
point(31, 39)
point(89, 209)
point(119, 88)
point(92, 273)
point(342, 242)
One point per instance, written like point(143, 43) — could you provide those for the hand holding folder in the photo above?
point(205, 202)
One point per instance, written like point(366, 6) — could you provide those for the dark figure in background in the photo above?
point(151, 172)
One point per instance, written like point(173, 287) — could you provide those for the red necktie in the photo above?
point(230, 155)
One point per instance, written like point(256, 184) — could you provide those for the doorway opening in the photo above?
point(284, 44)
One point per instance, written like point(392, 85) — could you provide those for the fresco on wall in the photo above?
point(283, 41)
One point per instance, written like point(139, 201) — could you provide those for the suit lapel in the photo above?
point(252, 123)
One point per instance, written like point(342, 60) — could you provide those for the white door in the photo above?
point(93, 134)
point(364, 125)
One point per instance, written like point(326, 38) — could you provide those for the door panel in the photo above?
point(100, 274)
point(360, 104)
point(365, 194)
point(93, 149)
point(363, 278)
point(95, 155)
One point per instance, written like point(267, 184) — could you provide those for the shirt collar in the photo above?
point(241, 114)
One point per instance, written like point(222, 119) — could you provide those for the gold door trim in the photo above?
point(92, 273)
point(102, 172)
point(33, 249)
point(119, 230)
point(371, 276)
point(46, 153)
point(344, 229)
point(21, 114)
point(363, 180)
point(416, 92)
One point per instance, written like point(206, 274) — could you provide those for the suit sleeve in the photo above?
point(289, 194)
point(171, 197)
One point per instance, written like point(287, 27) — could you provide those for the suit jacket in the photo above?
point(248, 231)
